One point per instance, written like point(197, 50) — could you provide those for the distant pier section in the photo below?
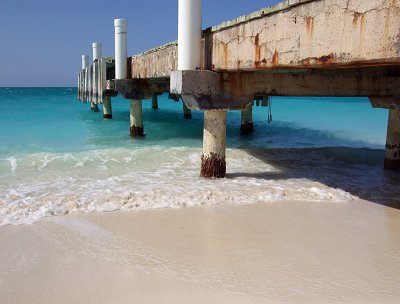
point(296, 48)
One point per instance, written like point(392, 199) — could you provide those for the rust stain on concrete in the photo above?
point(323, 60)
point(226, 56)
point(310, 25)
point(258, 48)
point(223, 51)
point(275, 58)
point(358, 18)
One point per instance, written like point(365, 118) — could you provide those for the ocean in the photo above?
point(58, 157)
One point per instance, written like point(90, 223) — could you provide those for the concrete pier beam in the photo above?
point(213, 162)
point(246, 126)
point(154, 101)
point(136, 118)
point(187, 113)
point(392, 154)
point(107, 108)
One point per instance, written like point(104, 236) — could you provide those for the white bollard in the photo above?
point(85, 61)
point(189, 34)
point(121, 51)
point(96, 51)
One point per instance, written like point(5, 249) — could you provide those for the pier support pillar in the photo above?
point(214, 141)
point(247, 126)
point(154, 102)
point(107, 108)
point(187, 113)
point(136, 118)
point(392, 154)
point(94, 107)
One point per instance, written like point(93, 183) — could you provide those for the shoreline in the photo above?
point(281, 252)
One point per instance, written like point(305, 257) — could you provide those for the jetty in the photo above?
point(295, 48)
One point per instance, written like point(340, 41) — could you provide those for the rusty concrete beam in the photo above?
point(137, 88)
point(204, 90)
point(291, 35)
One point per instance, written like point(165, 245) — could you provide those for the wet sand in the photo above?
point(281, 252)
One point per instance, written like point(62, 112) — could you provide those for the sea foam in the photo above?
point(48, 184)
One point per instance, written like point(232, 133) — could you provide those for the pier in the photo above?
point(296, 48)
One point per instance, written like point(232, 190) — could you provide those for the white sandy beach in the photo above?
point(281, 252)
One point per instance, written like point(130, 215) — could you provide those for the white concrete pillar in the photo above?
point(90, 80)
point(96, 75)
point(85, 64)
point(107, 108)
point(392, 153)
point(85, 61)
point(189, 34)
point(154, 101)
point(136, 119)
point(187, 113)
point(93, 89)
point(96, 51)
point(79, 86)
point(246, 126)
point(95, 79)
point(121, 51)
point(214, 141)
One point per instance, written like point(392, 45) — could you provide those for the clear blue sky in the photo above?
point(41, 41)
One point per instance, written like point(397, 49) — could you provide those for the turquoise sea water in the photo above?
point(51, 120)
point(56, 156)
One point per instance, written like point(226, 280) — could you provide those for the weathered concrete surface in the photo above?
point(157, 62)
point(293, 34)
point(314, 34)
